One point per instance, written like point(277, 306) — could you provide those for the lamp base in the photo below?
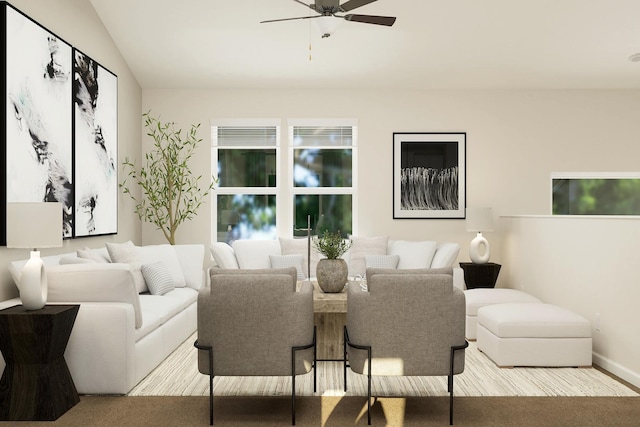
point(33, 283)
point(474, 250)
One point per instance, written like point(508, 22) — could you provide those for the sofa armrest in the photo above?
point(76, 283)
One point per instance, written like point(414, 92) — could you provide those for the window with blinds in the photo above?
point(245, 159)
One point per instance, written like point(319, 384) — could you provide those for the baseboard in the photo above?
point(617, 369)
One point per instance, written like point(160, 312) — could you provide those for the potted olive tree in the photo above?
point(332, 272)
point(171, 194)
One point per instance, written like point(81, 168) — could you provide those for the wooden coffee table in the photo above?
point(330, 315)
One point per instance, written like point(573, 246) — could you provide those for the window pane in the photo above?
point(596, 196)
point(328, 212)
point(231, 136)
point(247, 167)
point(314, 136)
point(246, 216)
point(314, 167)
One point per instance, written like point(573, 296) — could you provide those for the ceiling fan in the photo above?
point(332, 8)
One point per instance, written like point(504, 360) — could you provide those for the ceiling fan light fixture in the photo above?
point(326, 25)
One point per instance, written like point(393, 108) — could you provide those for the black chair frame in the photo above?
point(294, 349)
point(367, 348)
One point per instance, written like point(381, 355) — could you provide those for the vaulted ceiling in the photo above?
point(433, 44)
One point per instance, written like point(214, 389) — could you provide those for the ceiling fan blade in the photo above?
point(304, 4)
point(290, 19)
point(354, 4)
point(372, 19)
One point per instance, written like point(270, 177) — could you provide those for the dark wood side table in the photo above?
point(480, 275)
point(36, 384)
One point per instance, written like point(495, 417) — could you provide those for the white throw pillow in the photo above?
point(158, 278)
point(285, 261)
point(167, 255)
point(381, 261)
point(300, 246)
point(94, 254)
point(128, 253)
point(253, 254)
point(365, 246)
point(70, 259)
point(413, 254)
point(191, 259)
point(446, 255)
point(224, 256)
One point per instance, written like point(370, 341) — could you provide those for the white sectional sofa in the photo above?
point(365, 251)
point(133, 312)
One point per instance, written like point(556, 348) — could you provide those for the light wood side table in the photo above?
point(330, 315)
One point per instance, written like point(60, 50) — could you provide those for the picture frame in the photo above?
point(95, 101)
point(37, 140)
point(429, 175)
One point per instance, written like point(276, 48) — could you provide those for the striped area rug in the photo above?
point(178, 376)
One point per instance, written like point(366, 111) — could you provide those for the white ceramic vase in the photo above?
point(33, 283)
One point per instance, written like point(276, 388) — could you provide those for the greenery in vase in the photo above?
point(331, 245)
point(171, 194)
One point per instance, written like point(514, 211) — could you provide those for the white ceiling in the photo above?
point(433, 44)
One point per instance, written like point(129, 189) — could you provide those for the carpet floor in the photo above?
point(178, 376)
point(330, 411)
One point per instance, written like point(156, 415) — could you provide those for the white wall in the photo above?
point(76, 22)
point(515, 139)
point(588, 265)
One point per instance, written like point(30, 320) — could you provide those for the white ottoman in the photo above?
point(534, 334)
point(480, 297)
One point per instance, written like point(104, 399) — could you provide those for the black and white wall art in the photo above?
point(429, 175)
point(37, 116)
point(95, 99)
point(59, 124)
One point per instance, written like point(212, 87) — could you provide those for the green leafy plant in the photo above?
point(171, 194)
point(331, 245)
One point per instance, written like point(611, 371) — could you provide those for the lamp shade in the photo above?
point(479, 219)
point(34, 225)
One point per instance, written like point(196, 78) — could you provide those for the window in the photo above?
point(323, 158)
point(595, 194)
point(258, 198)
point(245, 158)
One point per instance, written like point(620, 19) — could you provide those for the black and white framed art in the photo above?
point(95, 99)
point(36, 117)
point(429, 175)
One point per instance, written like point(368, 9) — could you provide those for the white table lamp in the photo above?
point(479, 220)
point(34, 225)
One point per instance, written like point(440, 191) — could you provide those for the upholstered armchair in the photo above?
point(254, 322)
point(406, 322)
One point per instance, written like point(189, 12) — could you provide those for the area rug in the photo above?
point(178, 376)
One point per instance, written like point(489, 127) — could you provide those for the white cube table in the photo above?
point(481, 297)
point(534, 334)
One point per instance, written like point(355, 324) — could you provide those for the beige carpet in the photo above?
point(329, 411)
point(178, 376)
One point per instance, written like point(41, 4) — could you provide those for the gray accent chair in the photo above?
point(255, 323)
point(408, 323)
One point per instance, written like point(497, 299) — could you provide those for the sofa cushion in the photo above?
point(191, 258)
point(413, 254)
point(158, 309)
point(127, 253)
point(284, 261)
point(381, 261)
point(97, 255)
point(223, 255)
point(158, 278)
point(446, 254)
point(301, 246)
point(253, 254)
point(166, 255)
point(70, 259)
point(362, 246)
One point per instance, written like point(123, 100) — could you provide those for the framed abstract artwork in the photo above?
point(36, 117)
point(429, 175)
point(95, 100)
